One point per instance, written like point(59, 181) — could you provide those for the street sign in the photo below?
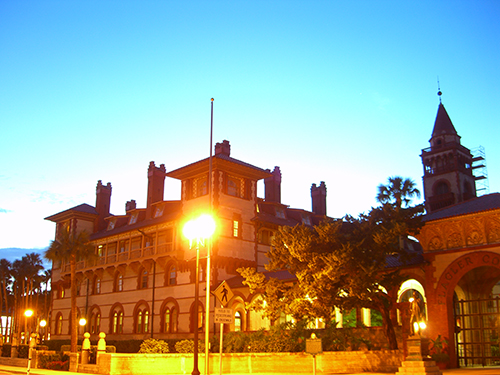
point(224, 316)
point(223, 293)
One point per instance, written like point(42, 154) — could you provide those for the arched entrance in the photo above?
point(477, 317)
point(467, 309)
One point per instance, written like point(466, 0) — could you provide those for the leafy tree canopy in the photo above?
point(339, 263)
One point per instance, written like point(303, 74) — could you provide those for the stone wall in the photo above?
point(251, 363)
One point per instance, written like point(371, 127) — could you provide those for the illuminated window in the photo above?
point(117, 326)
point(142, 320)
point(237, 226)
point(123, 247)
point(95, 322)
point(170, 320)
point(59, 322)
point(237, 321)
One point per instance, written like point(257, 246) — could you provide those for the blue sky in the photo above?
point(336, 91)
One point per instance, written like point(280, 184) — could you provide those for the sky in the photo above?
point(338, 91)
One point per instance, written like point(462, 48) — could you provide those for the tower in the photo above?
point(448, 177)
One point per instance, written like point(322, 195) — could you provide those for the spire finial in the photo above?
point(439, 92)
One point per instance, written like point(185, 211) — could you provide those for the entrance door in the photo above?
point(477, 332)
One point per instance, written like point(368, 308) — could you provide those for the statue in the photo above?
point(416, 315)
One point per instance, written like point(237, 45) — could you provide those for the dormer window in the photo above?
point(280, 212)
point(111, 224)
point(133, 218)
point(306, 219)
point(159, 210)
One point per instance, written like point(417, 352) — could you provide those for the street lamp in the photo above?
point(27, 314)
point(43, 324)
point(199, 230)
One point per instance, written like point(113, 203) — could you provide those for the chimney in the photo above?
point(130, 205)
point(223, 148)
point(318, 197)
point(156, 185)
point(272, 186)
point(102, 203)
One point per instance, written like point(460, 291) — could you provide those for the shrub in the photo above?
point(154, 346)
point(187, 346)
point(56, 361)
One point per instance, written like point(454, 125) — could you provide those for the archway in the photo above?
point(464, 309)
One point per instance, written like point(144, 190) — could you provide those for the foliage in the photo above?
point(154, 346)
point(187, 346)
point(398, 191)
point(55, 361)
point(71, 247)
point(439, 350)
point(340, 263)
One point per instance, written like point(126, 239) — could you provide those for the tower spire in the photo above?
point(439, 92)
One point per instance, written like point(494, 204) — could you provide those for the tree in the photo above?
point(339, 263)
point(5, 278)
point(70, 247)
point(398, 191)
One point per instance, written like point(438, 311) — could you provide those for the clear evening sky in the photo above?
point(336, 91)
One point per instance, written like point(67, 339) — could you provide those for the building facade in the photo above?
point(142, 283)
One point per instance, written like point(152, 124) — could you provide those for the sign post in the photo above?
point(222, 315)
point(314, 346)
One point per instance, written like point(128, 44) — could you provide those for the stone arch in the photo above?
point(483, 265)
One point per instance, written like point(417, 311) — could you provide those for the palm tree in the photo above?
point(5, 277)
point(70, 247)
point(398, 191)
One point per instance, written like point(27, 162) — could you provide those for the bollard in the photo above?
point(13, 348)
point(101, 345)
point(85, 348)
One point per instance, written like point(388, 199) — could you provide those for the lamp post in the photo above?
point(28, 313)
point(199, 230)
point(42, 324)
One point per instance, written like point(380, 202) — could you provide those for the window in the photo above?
point(237, 321)
point(123, 246)
point(118, 282)
point(265, 237)
point(280, 212)
point(172, 275)
point(59, 322)
point(100, 251)
point(200, 187)
point(61, 292)
point(111, 224)
point(441, 188)
point(133, 218)
point(233, 186)
point(95, 322)
point(117, 322)
point(159, 210)
point(237, 226)
point(97, 285)
point(306, 219)
point(143, 280)
point(142, 320)
point(170, 320)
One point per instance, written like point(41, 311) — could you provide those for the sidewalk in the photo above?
point(460, 371)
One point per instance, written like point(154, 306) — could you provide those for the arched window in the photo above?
point(238, 321)
point(95, 322)
point(442, 188)
point(169, 317)
point(59, 323)
point(197, 321)
point(142, 321)
point(117, 321)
